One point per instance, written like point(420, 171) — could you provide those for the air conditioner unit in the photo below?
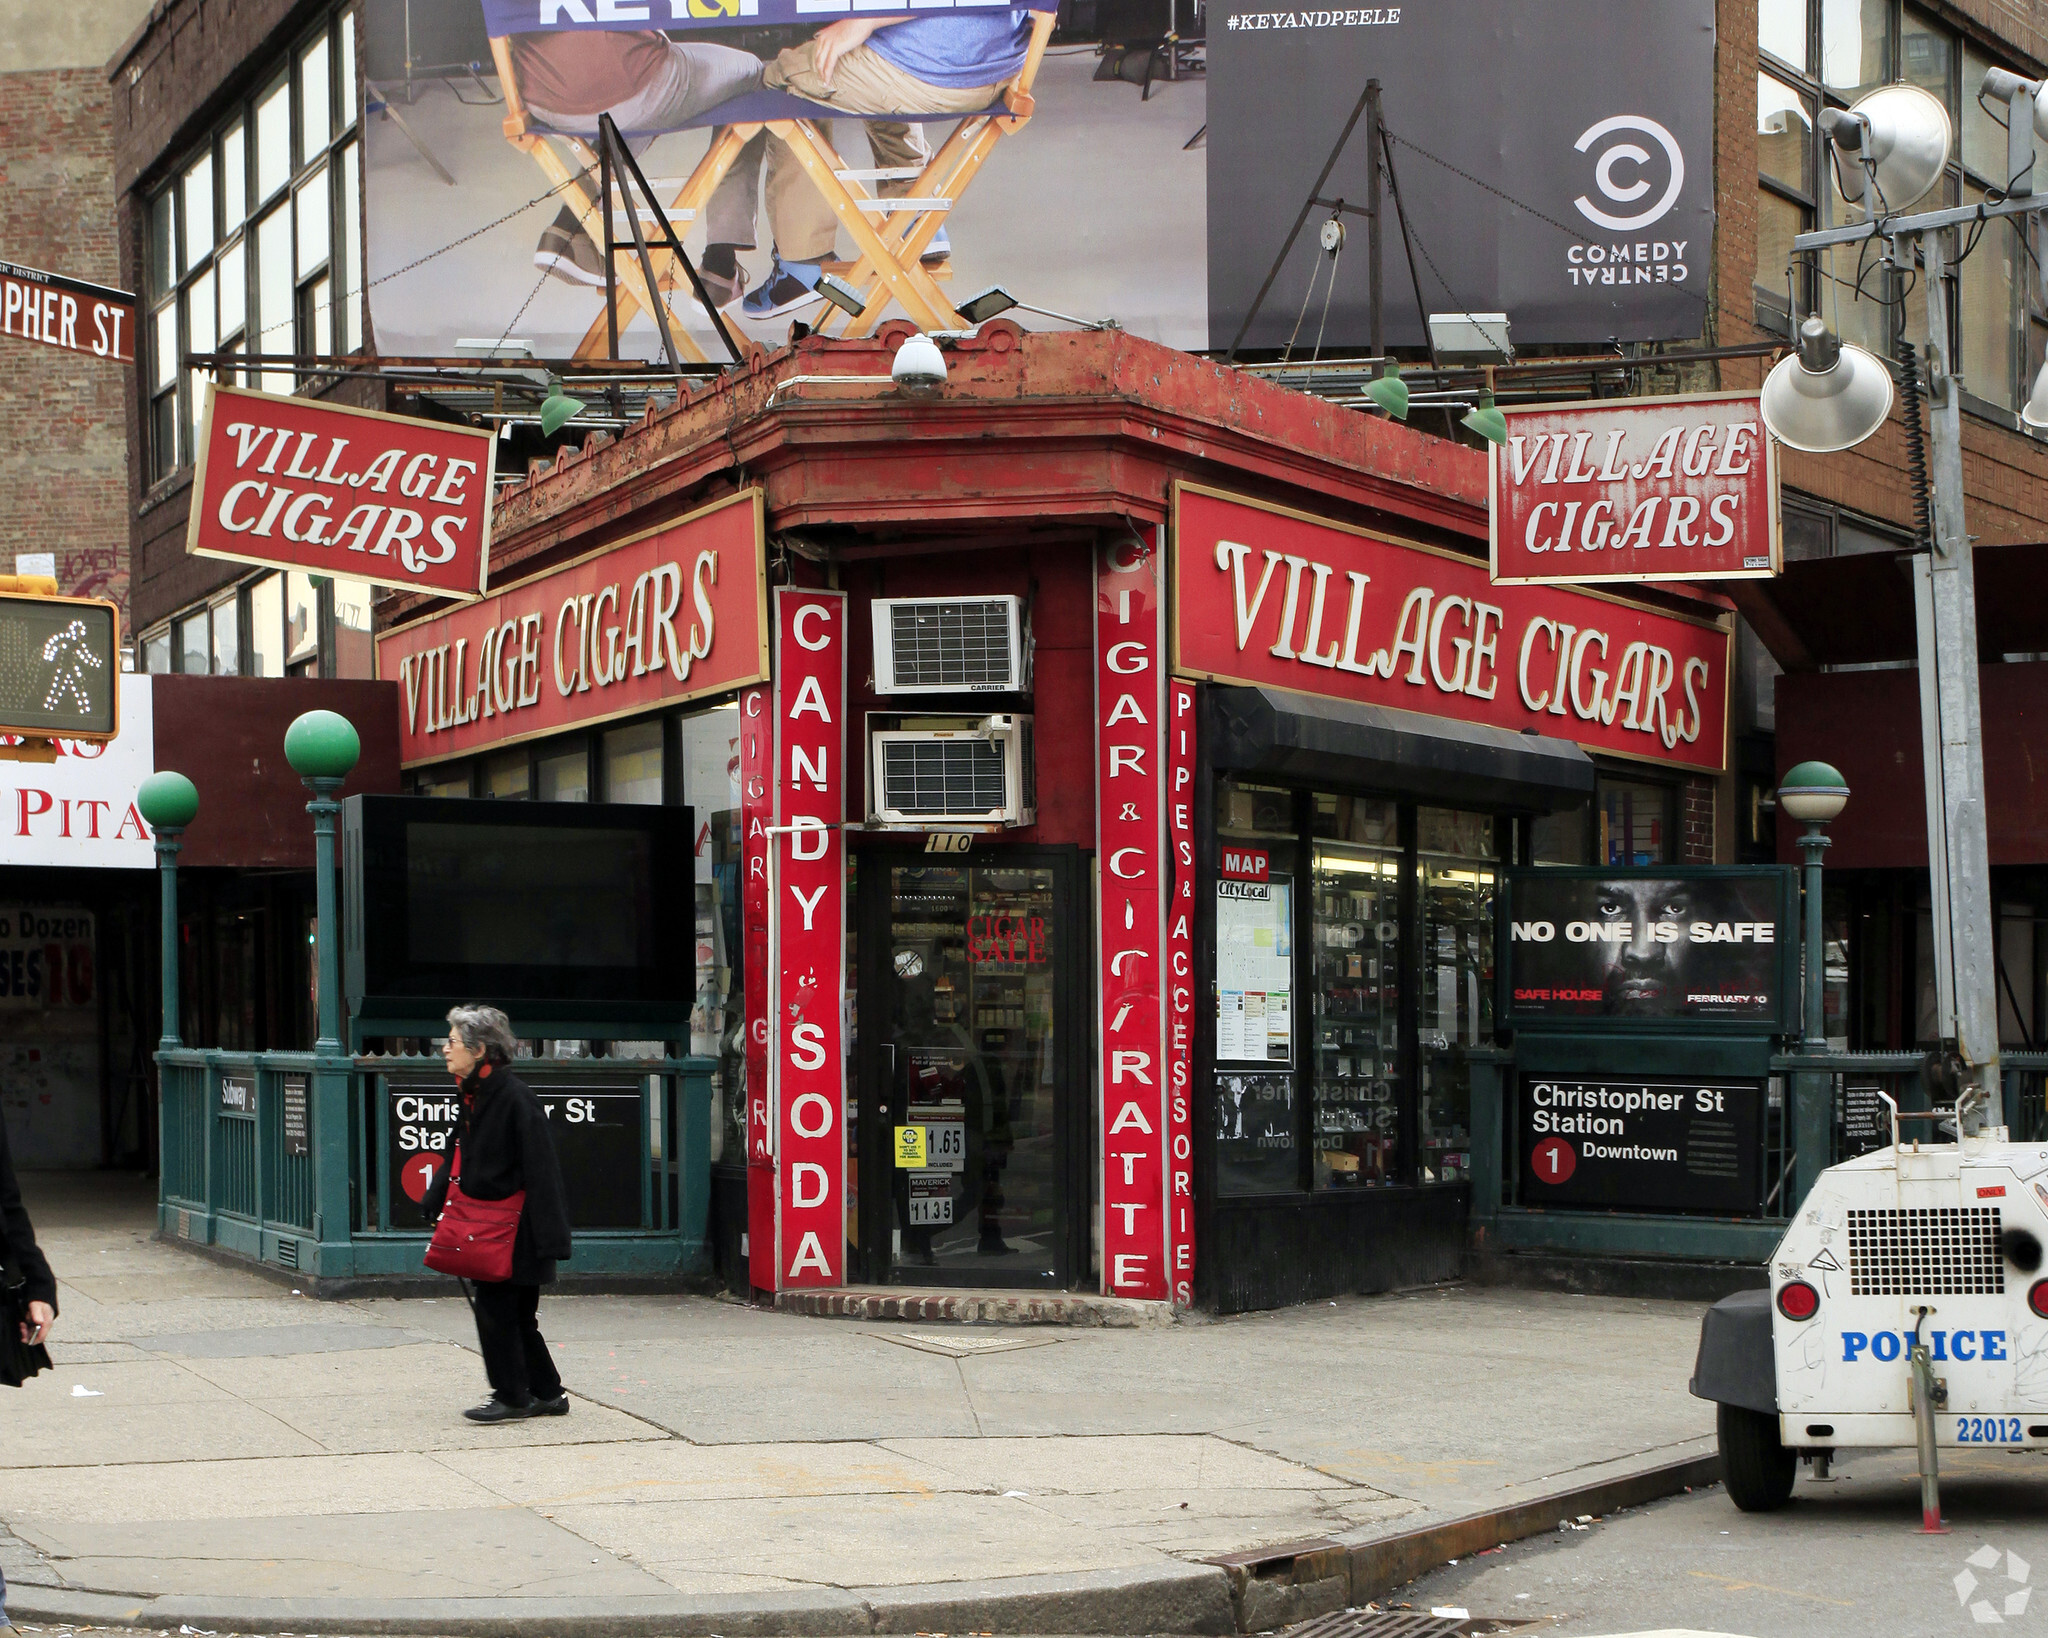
point(950, 645)
point(938, 772)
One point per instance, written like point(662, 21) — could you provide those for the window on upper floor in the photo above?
point(254, 242)
point(1817, 54)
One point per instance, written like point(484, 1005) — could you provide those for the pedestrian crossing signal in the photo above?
point(60, 661)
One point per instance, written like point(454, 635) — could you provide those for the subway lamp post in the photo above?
point(322, 747)
point(1813, 793)
point(168, 802)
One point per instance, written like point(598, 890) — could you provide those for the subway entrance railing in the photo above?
point(272, 1157)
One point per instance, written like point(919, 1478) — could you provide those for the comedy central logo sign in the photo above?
point(1625, 174)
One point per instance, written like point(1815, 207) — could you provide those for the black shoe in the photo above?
point(496, 1410)
point(557, 1406)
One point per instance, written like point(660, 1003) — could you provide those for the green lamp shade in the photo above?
point(1813, 791)
point(1487, 421)
point(167, 801)
point(1390, 393)
point(322, 745)
point(557, 410)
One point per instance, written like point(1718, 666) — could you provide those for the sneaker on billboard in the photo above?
point(565, 251)
point(789, 285)
point(939, 250)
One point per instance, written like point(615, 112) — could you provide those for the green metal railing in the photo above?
point(303, 1181)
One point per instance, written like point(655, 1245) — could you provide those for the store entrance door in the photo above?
point(970, 978)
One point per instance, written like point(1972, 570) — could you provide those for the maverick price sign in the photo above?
point(595, 1125)
point(1646, 1145)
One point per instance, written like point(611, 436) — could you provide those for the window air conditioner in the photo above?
point(950, 645)
point(939, 772)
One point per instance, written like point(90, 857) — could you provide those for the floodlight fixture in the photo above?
point(2026, 119)
point(1470, 338)
point(1890, 147)
point(987, 304)
point(841, 295)
point(1826, 396)
point(2034, 412)
point(920, 367)
point(1486, 420)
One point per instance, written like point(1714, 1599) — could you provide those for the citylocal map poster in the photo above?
point(1537, 179)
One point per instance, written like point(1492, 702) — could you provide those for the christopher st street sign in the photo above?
point(67, 313)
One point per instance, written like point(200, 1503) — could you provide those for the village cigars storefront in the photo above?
point(1375, 726)
point(1095, 865)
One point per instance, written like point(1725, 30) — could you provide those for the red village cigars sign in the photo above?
point(298, 484)
point(1639, 489)
point(1282, 600)
point(665, 616)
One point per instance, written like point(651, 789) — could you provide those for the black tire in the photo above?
point(1755, 1466)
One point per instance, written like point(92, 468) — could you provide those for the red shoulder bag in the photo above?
point(473, 1239)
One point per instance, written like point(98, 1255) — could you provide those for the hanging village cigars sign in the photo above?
point(295, 483)
point(667, 616)
point(1278, 599)
point(1640, 490)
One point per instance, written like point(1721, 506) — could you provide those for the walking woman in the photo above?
point(503, 1145)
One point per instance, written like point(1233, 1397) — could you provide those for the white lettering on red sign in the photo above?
point(1180, 989)
point(1640, 489)
point(1130, 737)
point(808, 913)
point(1244, 864)
point(300, 484)
point(1275, 599)
point(757, 813)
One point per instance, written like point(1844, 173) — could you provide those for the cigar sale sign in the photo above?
point(1636, 489)
point(297, 484)
point(1279, 599)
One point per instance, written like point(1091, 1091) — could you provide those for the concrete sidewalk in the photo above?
point(213, 1450)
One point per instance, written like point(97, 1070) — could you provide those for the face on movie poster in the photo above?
point(1153, 190)
point(1650, 944)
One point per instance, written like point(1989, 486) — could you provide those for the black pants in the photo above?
point(516, 1359)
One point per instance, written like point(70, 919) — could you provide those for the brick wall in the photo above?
point(2005, 474)
point(63, 464)
point(1696, 822)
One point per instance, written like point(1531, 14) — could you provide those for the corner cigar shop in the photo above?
point(1100, 778)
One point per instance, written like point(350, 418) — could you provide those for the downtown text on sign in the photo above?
point(299, 484)
point(1278, 599)
point(1648, 1145)
point(1672, 946)
point(664, 617)
point(1638, 490)
point(67, 313)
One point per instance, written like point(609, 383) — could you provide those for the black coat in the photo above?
point(505, 1144)
point(18, 1237)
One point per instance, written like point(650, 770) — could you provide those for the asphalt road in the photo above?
point(1845, 1560)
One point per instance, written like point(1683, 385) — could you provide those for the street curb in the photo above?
point(1244, 1592)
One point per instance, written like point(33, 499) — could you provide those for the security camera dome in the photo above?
point(920, 367)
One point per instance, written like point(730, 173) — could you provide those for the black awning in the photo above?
point(1306, 738)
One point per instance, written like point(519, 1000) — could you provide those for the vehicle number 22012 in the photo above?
point(1988, 1430)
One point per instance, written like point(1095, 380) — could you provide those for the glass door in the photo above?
point(1457, 877)
point(966, 997)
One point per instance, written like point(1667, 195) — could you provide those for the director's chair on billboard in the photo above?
point(890, 232)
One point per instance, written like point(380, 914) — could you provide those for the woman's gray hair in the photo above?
point(483, 1030)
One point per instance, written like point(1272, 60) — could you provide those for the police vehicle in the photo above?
point(1907, 1307)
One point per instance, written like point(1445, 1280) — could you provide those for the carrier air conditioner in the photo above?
point(950, 645)
point(951, 772)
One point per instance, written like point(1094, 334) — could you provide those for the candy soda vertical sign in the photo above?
point(807, 919)
point(1130, 701)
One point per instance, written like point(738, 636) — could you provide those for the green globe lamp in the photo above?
point(322, 747)
point(168, 802)
point(1813, 793)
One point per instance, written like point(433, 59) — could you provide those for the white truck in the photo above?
point(1907, 1306)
